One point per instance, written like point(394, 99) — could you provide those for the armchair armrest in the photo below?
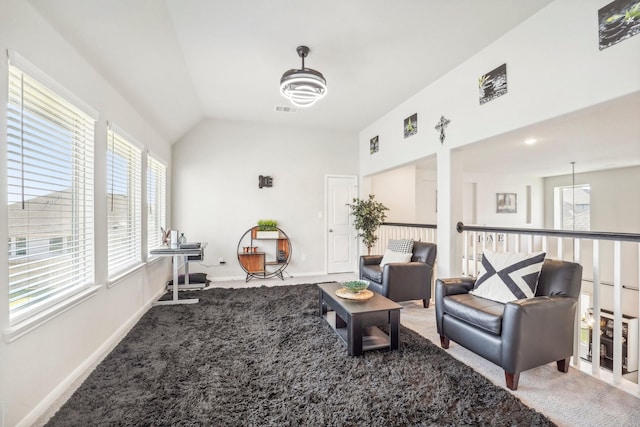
point(536, 331)
point(453, 286)
point(370, 259)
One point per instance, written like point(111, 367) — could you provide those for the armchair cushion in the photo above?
point(401, 245)
point(393, 256)
point(508, 276)
point(481, 312)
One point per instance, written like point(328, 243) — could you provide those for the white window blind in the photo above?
point(50, 194)
point(156, 201)
point(124, 195)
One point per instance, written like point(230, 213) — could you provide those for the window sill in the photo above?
point(124, 274)
point(22, 328)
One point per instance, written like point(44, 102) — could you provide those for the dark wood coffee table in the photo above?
point(355, 321)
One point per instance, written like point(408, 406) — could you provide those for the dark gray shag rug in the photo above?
point(263, 356)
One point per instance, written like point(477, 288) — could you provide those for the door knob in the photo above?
point(331, 230)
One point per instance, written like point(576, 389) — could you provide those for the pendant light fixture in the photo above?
point(305, 86)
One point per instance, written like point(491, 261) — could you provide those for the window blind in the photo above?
point(50, 152)
point(124, 177)
point(156, 201)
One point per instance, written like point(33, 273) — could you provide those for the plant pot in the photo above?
point(267, 234)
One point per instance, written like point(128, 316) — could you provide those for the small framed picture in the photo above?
point(506, 203)
point(374, 145)
point(411, 125)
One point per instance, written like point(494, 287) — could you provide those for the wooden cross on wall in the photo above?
point(441, 126)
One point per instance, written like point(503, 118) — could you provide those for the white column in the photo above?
point(450, 194)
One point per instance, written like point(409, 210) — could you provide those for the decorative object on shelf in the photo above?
point(506, 203)
point(267, 229)
point(165, 236)
point(618, 21)
point(411, 125)
point(272, 258)
point(374, 145)
point(304, 86)
point(368, 214)
point(265, 181)
point(182, 239)
point(493, 84)
point(441, 126)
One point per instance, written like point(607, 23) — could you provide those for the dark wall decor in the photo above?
point(411, 125)
point(506, 203)
point(493, 84)
point(374, 145)
point(618, 21)
point(441, 126)
point(265, 181)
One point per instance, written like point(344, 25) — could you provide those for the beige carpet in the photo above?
point(571, 399)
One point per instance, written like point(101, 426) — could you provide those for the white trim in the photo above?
point(124, 274)
point(21, 62)
point(22, 328)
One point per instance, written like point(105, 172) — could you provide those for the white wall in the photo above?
point(37, 367)
point(396, 189)
point(216, 169)
point(554, 67)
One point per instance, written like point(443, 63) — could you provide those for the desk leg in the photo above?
point(354, 335)
point(394, 329)
point(175, 300)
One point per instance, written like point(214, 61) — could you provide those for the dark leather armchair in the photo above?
point(402, 281)
point(518, 335)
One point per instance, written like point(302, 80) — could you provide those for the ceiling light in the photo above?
point(305, 86)
point(530, 141)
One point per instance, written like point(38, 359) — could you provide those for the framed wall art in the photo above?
point(411, 125)
point(618, 21)
point(493, 84)
point(506, 203)
point(374, 145)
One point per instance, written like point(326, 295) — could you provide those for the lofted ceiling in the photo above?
point(180, 61)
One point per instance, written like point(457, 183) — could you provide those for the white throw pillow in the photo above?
point(508, 276)
point(392, 256)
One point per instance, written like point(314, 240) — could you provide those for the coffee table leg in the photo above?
point(394, 329)
point(354, 335)
point(323, 307)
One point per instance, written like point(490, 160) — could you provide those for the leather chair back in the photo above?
point(424, 252)
point(561, 278)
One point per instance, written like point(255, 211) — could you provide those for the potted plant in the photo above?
point(368, 214)
point(267, 229)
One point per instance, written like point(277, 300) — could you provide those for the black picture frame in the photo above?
point(411, 125)
point(493, 84)
point(618, 21)
point(374, 144)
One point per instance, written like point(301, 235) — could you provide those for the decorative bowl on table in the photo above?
point(355, 286)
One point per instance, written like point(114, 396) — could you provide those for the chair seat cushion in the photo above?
point(481, 312)
point(372, 272)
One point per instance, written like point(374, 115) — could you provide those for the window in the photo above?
point(124, 194)
point(55, 244)
point(573, 207)
point(50, 191)
point(156, 201)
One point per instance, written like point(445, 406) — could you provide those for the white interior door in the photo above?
point(341, 236)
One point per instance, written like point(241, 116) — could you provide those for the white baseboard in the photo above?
point(58, 396)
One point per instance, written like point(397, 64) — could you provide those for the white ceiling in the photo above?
point(180, 61)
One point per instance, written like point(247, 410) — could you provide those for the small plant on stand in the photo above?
point(267, 225)
point(368, 214)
